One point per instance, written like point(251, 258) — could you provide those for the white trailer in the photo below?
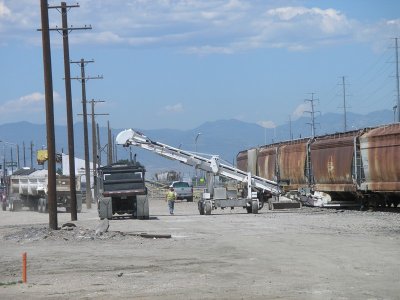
point(28, 187)
point(259, 190)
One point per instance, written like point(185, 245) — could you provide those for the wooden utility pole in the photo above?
point(68, 99)
point(94, 146)
point(83, 80)
point(48, 85)
point(23, 146)
point(397, 80)
point(110, 147)
point(31, 154)
point(98, 145)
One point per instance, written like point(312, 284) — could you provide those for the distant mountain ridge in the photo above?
point(223, 137)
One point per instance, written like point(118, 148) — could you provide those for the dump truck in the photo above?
point(28, 188)
point(122, 191)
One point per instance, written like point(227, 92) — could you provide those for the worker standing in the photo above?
point(171, 197)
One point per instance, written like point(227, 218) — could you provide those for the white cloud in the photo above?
point(207, 49)
point(4, 10)
point(175, 108)
point(196, 26)
point(266, 124)
point(300, 110)
point(26, 105)
point(329, 20)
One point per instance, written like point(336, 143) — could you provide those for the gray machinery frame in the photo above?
point(255, 185)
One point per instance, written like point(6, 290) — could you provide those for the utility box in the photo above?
point(220, 193)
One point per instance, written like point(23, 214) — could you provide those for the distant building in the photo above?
point(79, 167)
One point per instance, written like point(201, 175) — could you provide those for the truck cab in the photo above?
point(183, 190)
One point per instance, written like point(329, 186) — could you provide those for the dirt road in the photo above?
point(297, 254)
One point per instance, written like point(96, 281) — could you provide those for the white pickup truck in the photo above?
point(183, 190)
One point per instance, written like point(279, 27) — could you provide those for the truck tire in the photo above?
point(40, 205)
point(189, 199)
point(207, 208)
point(17, 206)
point(254, 207)
point(45, 208)
point(201, 207)
point(36, 205)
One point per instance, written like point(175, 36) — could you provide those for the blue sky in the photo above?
point(180, 63)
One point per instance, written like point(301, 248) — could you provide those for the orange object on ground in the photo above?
point(24, 267)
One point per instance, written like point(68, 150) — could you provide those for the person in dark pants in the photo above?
point(171, 197)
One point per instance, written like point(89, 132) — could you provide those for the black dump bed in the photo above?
point(123, 179)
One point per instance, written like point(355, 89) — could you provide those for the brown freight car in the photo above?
point(332, 161)
point(359, 167)
point(380, 152)
point(293, 164)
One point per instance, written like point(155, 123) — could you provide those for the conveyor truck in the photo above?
point(258, 190)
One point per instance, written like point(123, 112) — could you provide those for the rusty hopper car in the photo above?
point(267, 162)
point(293, 164)
point(241, 160)
point(333, 164)
point(380, 153)
point(359, 167)
point(247, 160)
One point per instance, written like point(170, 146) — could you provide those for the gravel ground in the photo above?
point(290, 254)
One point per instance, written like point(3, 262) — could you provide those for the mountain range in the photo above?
point(223, 137)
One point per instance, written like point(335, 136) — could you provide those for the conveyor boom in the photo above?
point(131, 137)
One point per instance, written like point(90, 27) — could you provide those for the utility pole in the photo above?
point(344, 103)
point(68, 99)
point(312, 114)
point(18, 165)
point(110, 148)
point(98, 145)
point(94, 146)
point(115, 149)
point(290, 128)
point(83, 79)
point(397, 80)
point(31, 154)
point(48, 84)
point(23, 146)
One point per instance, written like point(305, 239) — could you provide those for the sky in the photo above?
point(180, 63)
